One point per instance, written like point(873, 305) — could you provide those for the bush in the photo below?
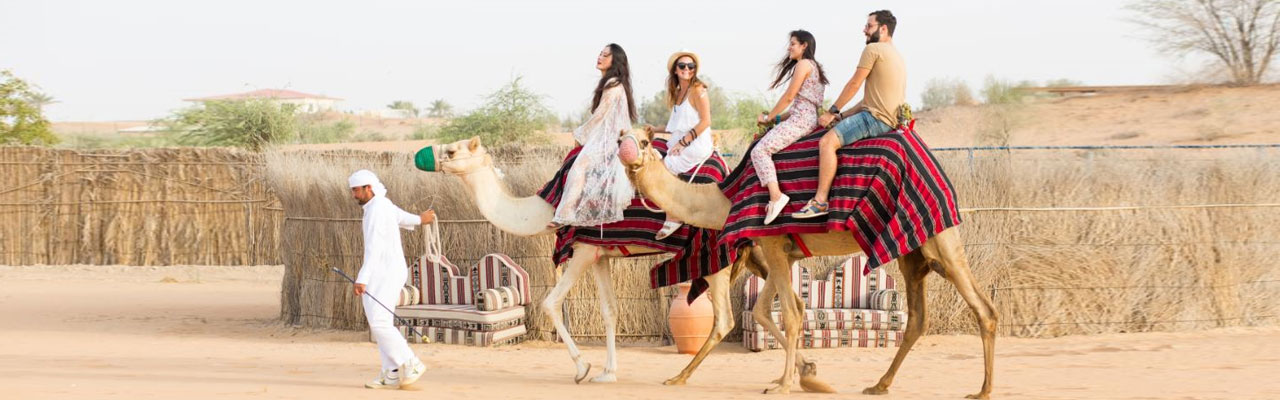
point(946, 92)
point(313, 129)
point(999, 91)
point(247, 124)
point(513, 113)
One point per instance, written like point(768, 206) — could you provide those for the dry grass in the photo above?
point(142, 207)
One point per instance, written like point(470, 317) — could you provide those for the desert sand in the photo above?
point(210, 332)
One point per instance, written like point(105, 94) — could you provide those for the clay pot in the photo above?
point(690, 323)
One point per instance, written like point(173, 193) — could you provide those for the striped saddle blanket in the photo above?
point(640, 227)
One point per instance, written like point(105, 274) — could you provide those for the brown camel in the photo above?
point(704, 205)
point(528, 216)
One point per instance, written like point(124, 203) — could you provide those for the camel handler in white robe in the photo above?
point(383, 275)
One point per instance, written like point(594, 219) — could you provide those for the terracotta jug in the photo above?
point(690, 323)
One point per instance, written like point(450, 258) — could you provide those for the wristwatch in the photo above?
point(834, 109)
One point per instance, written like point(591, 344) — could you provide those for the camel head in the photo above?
point(635, 149)
point(458, 158)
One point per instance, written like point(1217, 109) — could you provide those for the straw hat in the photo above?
point(671, 62)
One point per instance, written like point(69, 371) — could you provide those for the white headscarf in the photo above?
point(366, 177)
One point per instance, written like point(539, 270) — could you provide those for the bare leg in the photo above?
point(583, 257)
point(826, 164)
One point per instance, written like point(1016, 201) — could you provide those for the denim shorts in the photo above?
point(859, 126)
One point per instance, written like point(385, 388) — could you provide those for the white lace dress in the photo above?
point(596, 188)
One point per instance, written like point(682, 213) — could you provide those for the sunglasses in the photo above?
point(686, 66)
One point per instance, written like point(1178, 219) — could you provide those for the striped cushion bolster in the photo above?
point(887, 299)
point(409, 295)
point(497, 298)
point(828, 339)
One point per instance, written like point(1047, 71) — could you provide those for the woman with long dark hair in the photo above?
point(804, 96)
point(596, 188)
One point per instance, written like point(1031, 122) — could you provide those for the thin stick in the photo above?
point(423, 338)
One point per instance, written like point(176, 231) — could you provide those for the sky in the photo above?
point(137, 60)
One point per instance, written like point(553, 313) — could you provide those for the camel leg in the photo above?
point(780, 279)
point(608, 308)
point(718, 292)
point(583, 257)
point(948, 251)
point(914, 270)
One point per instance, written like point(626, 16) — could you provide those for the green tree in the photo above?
point(404, 105)
point(440, 109)
point(654, 110)
point(513, 113)
point(21, 120)
point(249, 124)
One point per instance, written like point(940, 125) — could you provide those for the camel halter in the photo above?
point(635, 170)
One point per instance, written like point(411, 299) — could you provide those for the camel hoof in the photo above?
point(811, 384)
point(607, 377)
point(981, 396)
point(875, 391)
point(677, 381)
point(582, 374)
point(780, 389)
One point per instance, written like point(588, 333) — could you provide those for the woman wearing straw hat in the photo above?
point(690, 123)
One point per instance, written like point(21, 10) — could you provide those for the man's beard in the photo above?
point(874, 38)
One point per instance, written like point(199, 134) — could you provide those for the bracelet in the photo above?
point(777, 119)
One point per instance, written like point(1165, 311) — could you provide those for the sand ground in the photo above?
point(116, 332)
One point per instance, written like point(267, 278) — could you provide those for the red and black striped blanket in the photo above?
point(889, 193)
point(640, 226)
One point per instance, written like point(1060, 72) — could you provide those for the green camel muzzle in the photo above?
point(427, 159)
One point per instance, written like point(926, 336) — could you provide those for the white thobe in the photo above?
point(384, 273)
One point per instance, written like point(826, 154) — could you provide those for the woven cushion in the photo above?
point(497, 270)
point(839, 319)
point(826, 339)
point(512, 335)
point(887, 299)
point(498, 298)
point(844, 287)
point(440, 282)
point(847, 287)
point(462, 316)
point(799, 283)
point(409, 295)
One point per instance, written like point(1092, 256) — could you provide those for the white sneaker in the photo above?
point(774, 208)
point(411, 371)
point(384, 381)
